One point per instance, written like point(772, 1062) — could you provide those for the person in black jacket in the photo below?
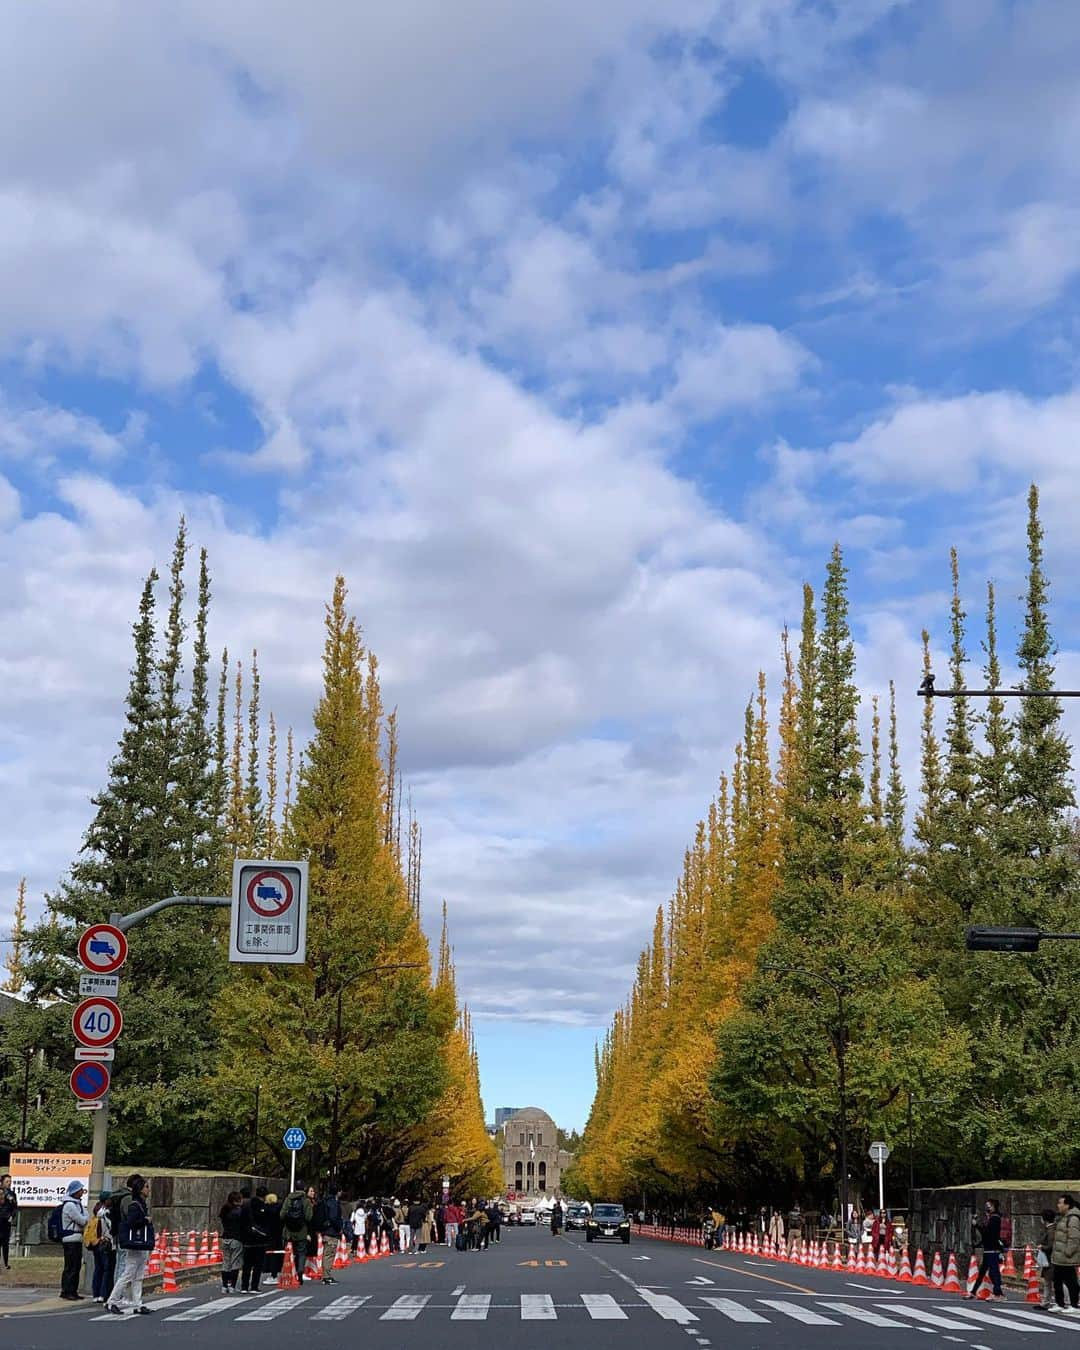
point(990, 1235)
point(255, 1240)
point(233, 1232)
point(9, 1208)
point(274, 1254)
point(328, 1224)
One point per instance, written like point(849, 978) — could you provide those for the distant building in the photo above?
point(503, 1114)
point(532, 1161)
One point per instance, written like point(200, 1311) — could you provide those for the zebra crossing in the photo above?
point(824, 1311)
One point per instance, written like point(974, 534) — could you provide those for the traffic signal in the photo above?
point(1001, 939)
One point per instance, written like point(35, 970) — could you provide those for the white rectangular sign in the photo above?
point(40, 1180)
point(268, 920)
point(89, 985)
point(95, 1052)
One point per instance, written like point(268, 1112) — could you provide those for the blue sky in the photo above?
point(574, 336)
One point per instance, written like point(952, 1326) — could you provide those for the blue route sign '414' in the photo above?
point(294, 1138)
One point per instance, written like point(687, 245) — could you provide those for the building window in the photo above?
point(539, 1138)
point(542, 1174)
point(522, 1138)
point(517, 1176)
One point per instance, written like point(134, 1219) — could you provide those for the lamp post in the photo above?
point(841, 1045)
point(335, 1119)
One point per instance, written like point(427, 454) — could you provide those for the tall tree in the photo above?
point(13, 962)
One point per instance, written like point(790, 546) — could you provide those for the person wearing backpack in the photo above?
point(72, 1220)
point(297, 1213)
point(9, 1209)
point(135, 1241)
point(97, 1239)
point(328, 1224)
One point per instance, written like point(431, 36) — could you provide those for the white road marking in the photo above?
point(875, 1289)
point(276, 1308)
point(700, 1279)
point(977, 1315)
point(863, 1314)
point(538, 1308)
point(603, 1308)
point(793, 1310)
point(157, 1303)
point(471, 1308)
point(670, 1309)
point(909, 1310)
point(641, 1258)
point(202, 1310)
point(406, 1308)
point(737, 1312)
point(459, 1290)
point(1044, 1320)
point(341, 1308)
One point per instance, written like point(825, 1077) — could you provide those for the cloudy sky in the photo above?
point(574, 337)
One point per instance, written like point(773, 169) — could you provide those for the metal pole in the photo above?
point(841, 1067)
point(911, 1160)
point(255, 1134)
point(292, 1170)
point(25, 1096)
point(881, 1184)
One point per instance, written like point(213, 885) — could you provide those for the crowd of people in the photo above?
point(257, 1230)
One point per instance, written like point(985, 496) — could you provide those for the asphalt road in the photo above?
point(605, 1296)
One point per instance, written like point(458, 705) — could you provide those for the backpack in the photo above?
point(461, 1242)
point(54, 1227)
point(293, 1213)
point(92, 1232)
point(1006, 1232)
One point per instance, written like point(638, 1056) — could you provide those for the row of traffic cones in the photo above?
point(208, 1253)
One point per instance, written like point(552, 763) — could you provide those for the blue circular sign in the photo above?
point(294, 1138)
point(89, 1080)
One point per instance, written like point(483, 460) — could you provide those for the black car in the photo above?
point(607, 1221)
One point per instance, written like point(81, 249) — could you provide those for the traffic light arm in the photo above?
point(982, 939)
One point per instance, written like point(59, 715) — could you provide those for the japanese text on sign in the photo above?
point(41, 1180)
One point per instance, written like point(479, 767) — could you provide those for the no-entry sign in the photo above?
point(269, 912)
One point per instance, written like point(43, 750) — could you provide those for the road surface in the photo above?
point(604, 1296)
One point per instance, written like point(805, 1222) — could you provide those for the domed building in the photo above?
point(533, 1162)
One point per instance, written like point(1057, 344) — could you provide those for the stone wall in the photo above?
point(943, 1218)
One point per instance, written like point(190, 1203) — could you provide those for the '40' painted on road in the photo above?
point(535, 1265)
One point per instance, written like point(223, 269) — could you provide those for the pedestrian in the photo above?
point(296, 1215)
point(328, 1224)
point(272, 1221)
point(454, 1216)
point(255, 1240)
point(98, 1240)
point(401, 1225)
point(73, 1219)
point(427, 1227)
point(9, 1209)
point(720, 1220)
point(479, 1221)
point(233, 1231)
point(875, 1233)
point(313, 1231)
point(1065, 1254)
point(135, 1239)
point(416, 1222)
point(989, 1232)
point(776, 1230)
point(1043, 1261)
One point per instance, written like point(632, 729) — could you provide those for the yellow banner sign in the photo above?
point(41, 1179)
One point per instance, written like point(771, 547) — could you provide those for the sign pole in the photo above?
point(292, 1170)
point(881, 1182)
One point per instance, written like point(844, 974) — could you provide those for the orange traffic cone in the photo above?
point(890, 1264)
point(1029, 1261)
point(215, 1249)
point(373, 1246)
point(384, 1245)
point(169, 1285)
point(937, 1275)
point(287, 1279)
point(920, 1269)
point(313, 1269)
point(192, 1254)
point(860, 1264)
point(204, 1249)
point(154, 1265)
point(852, 1260)
point(882, 1265)
point(1032, 1295)
point(952, 1276)
point(905, 1268)
point(972, 1275)
point(341, 1261)
point(1008, 1266)
point(837, 1258)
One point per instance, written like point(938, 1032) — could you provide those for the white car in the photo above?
point(529, 1216)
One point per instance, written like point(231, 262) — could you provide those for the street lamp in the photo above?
point(338, 1047)
point(979, 938)
point(841, 1044)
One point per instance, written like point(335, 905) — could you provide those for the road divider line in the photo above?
point(741, 1270)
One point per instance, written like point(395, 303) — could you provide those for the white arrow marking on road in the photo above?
point(701, 1279)
point(471, 1308)
point(863, 1314)
point(806, 1315)
point(641, 1258)
point(406, 1308)
point(737, 1312)
point(603, 1308)
point(538, 1308)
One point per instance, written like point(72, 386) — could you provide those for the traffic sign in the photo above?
point(93, 1052)
point(97, 1022)
point(103, 948)
point(269, 912)
point(109, 985)
point(879, 1151)
point(89, 1081)
point(294, 1138)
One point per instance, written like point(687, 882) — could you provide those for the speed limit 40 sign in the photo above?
point(97, 1022)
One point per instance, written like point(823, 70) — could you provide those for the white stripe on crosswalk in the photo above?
point(203, 1310)
point(538, 1308)
point(799, 1313)
point(340, 1309)
point(670, 1309)
point(863, 1314)
point(157, 1304)
point(1047, 1323)
point(603, 1308)
point(907, 1310)
point(737, 1312)
point(977, 1315)
point(406, 1308)
point(471, 1308)
point(275, 1308)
